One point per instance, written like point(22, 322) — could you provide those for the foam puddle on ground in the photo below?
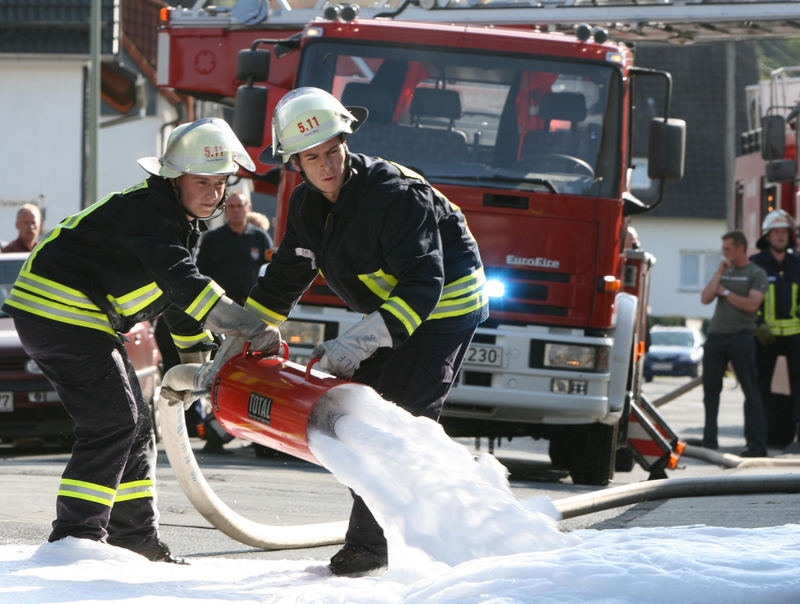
point(435, 502)
point(456, 534)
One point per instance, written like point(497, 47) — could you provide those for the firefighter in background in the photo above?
point(394, 249)
point(123, 260)
point(778, 332)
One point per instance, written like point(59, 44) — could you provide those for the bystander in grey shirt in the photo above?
point(739, 280)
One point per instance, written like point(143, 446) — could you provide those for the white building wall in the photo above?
point(670, 239)
point(41, 101)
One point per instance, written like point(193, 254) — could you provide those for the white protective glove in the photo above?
point(230, 319)
point(342, 356)
point(199, 356)
point(230, 347)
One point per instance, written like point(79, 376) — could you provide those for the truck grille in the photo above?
point(12, 363)
point(525, 289)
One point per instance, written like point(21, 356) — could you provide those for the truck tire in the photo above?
point(624, 461)
point(594, 448)
point(559, 449)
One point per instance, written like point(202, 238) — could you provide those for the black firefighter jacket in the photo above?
point(390, 243)
point(122, 260)
point(779, 309)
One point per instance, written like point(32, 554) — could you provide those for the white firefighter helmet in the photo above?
point(776, 219)
point(306, 117)
point(206, 146)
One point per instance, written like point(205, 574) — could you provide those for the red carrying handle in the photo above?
point(311, 363)
point(284, 348)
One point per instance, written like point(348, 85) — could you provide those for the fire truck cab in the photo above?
point(531, 134)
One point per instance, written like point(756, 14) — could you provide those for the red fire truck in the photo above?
point(530, 132)
point(766, 169)
point(765, 179)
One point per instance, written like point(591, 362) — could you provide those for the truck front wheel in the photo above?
point(593, 454)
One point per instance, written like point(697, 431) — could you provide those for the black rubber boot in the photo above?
point(794, 446)
point(353, 561)
point(160, 553)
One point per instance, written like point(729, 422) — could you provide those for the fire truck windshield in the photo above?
point(462, 116)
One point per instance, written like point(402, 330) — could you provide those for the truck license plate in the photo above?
point(478, 354)
point(6, 402)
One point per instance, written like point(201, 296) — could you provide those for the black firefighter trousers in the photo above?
point(416, 376)
point(107, 490)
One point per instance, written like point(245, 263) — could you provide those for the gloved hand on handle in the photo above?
point(342, 356)
point(198, 356)
point(230, 319)
point(239, 326)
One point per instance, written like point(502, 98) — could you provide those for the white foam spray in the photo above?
point(434, 500)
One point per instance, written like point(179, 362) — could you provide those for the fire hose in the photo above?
point(205, 500)
point(272, 402)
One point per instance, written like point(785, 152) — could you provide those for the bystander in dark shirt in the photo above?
point(233, 259)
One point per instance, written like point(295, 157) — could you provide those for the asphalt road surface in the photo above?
point(284, 491)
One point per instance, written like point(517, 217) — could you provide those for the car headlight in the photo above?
point(570, 356)
point(303, 333)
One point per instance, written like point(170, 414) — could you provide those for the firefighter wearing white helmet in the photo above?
point(308, 116)
point(207, 147)
point(394, 249)
point(125, 259)
point(778, 332)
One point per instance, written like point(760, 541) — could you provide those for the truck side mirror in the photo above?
point(252, 65)
point(773, 137)
point(667, 149)
point(249, 115)
point(780, 170)
point(251, 101)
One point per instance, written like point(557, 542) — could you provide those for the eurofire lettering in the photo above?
point(540, 262)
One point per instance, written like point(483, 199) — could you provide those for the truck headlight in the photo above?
point(495, 288)
point(32, 367)
point(570, 356)
point(303, 333)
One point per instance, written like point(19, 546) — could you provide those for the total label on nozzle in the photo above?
point(259, 407)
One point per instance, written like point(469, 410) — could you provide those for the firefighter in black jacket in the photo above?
point(126, 259)
point(391, 247)
point(778, 332)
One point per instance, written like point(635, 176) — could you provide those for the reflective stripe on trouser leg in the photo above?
point(92, 375)
point(134, 517)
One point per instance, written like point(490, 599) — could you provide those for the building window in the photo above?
point(697, 268)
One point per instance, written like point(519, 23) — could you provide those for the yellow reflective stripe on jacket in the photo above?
point(379, 283)
point(133, 302)
point(465, 285)
point(86, 490)
point(269, 317)
point(781, 327)
point(189, 341)
point(58, 312)
point(460, 306)
point(137, 489)
point(72, 221)
point(203, 303)
point(404, 313)
point(54, 290)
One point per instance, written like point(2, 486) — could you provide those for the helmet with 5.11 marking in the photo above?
point(207, 146)
point(306, 117)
